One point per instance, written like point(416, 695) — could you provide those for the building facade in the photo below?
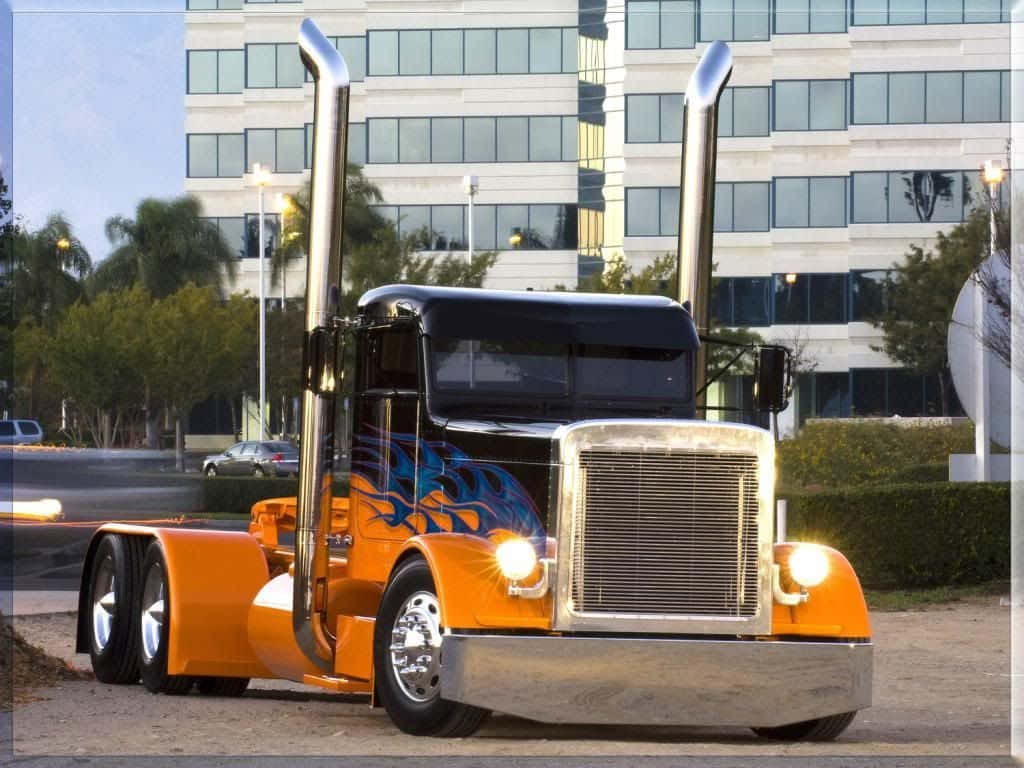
point(850, 129)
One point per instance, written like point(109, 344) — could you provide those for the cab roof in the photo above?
point(556, 317)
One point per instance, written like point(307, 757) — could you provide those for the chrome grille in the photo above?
point(669, 533)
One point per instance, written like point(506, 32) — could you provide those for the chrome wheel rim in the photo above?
point(416, 647)
point(104, 604)
point(152, 612)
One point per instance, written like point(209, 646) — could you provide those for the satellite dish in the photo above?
point(961, 348)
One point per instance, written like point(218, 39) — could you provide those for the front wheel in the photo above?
point(407, 658)
point(819, 729)
point(155, 623)
point(258, 471)
point(211, 471)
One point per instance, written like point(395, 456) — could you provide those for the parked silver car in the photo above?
point(20, 432)
point(268, 458)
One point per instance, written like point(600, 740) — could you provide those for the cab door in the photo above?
point(386, 435)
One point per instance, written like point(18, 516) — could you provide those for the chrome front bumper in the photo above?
point(640, 681)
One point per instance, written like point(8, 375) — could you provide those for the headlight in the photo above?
point(808, 565)
point(516, 559)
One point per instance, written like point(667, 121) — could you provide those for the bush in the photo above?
point(911, 535)
point(236, 495)
point(937, 472)
point(835, 454)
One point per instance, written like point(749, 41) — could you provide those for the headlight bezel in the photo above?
point(808, 565)
point(517, 558)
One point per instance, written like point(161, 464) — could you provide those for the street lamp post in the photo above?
point(992, 173)
point(262, 177)
point(471, 184)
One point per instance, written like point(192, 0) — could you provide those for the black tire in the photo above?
point(226, 687)
point(114, 585)
point(819, 729)
point(154, 627)
point(210, 471)
point(258, 471)
point(433, 716)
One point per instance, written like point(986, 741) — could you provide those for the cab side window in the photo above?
point(389, 359)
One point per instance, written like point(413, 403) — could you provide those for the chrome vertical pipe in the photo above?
point(323, 293)
point(697, 192)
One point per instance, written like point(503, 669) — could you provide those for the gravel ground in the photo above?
point(941, 689)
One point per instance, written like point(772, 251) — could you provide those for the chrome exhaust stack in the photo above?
point(323, 294)
point(697, 194)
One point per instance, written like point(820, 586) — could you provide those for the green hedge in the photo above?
point(935, 472)
point(836, 454)
point(236, 495)
point(916, 535)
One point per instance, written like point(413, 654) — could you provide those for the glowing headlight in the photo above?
point(808, 565)
point(516, 559)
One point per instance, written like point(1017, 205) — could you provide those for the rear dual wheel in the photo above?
point(155, 621)
point(113, 600)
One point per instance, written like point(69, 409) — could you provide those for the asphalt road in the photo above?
point(93, 486)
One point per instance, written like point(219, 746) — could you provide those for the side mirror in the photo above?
point(772, 379)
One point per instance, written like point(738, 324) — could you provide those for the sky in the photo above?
point(98, 109)
point(6, 94)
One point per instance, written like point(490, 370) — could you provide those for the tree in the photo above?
point(47, 270)
point(921, 292)
point(188, 332)
point(94, 363)
point(361, 222)
point(167, 245)
point(657, 278)
point(239, 362)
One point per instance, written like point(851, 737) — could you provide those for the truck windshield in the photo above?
point(568, 372)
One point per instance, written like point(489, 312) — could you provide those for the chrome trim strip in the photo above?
point(659, 435)
point(647, 681)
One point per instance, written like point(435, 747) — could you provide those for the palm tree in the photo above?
point(47, 270)
point(167, 245)
point(361, 220)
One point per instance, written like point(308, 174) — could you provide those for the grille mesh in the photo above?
point(671, 533)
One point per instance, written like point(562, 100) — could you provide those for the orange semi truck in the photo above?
point(537, 523)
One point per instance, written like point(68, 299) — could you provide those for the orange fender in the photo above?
point(212, 577)
point(472, 591)
point(834, 608)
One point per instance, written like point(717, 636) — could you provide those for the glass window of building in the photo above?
point(353, 50)
point(414, 52)
point(750, 111)
point(933, 196)
point(513, 139)
point(827, 301)
point(750, 203)
point(446, 52)
point(792, 204)
point(716, 20)
point(271, 234)
point(513, 223)
point(751, 301)
point(230, 71)
point(414, 140)
point(868, 392)
point(671, 117)
point(480, 139)
point(669, 215)
point(869, 197)
point(446, 140)
point(643, 208)
point(906, 97)
point(545, 139)
point(202, 155)
point(546, 50)
point(643, 118)
point(414, 220)
point(723, 207)
point(982, 96)
point(734, 20)
point(260, 147)
point(382, 140)
point(569, 138)
point(513, 51)
point(791, 298)
point(383, 52)
point(944, 97)
point(481, 51)
point(930, 11)
point(810, 16)
point(868, 296)
point(202, 71)
point(678, 23)
point(810, 105)
point(643, 24)
point(356, 144)
point(447, 227)
point(261, 65)
point(484, 227)
point(828, 201)
point(870, 98)
point(664, 24)
point(290, 150)
point(290, 72)
point(569, 49)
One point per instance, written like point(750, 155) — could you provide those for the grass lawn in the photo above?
point(916, 599)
